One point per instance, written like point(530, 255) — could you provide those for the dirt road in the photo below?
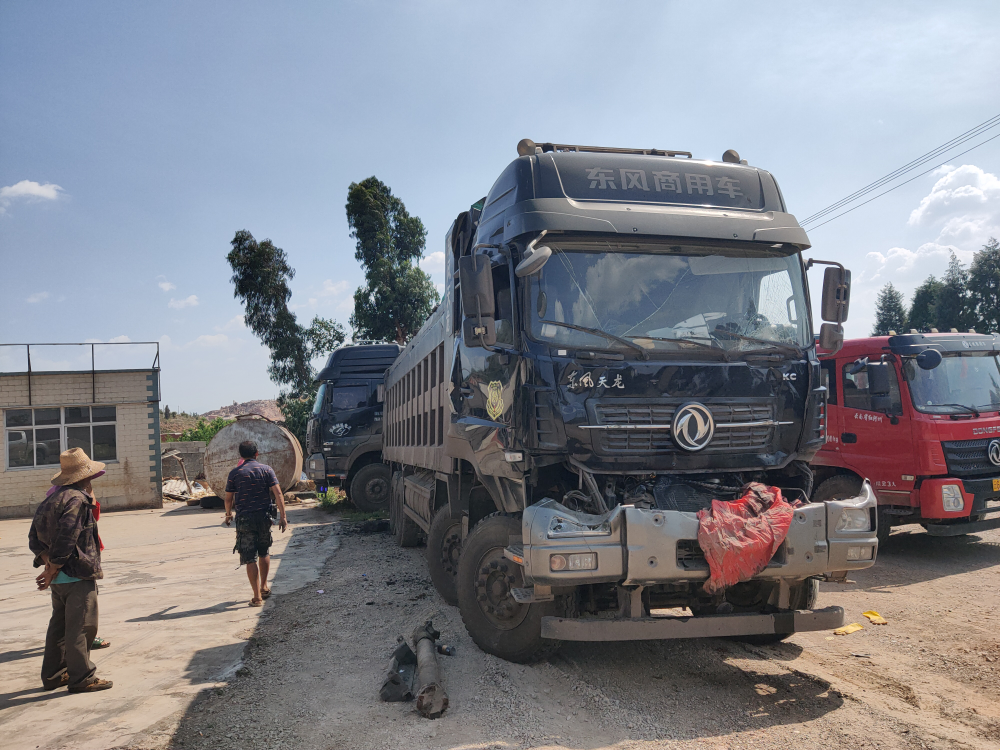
point(929, 678)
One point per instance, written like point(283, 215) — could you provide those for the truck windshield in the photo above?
point(320, 395)
point(663, 296)
point(961, 380)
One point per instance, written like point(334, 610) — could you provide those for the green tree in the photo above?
point(984, 286)
point(923, 310)
point(205, 430)
point(890, 315)
point(953, 301)
point(398, 296)
point(260, 279)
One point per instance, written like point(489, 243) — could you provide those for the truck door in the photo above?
point(485, 379)
point(869, 443)
point(349, 416)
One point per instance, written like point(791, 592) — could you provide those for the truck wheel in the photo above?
point(497, 623)
point(802, 595)
point(370, 488)
point(846, 485)
point(444, 547)
point(401, 526)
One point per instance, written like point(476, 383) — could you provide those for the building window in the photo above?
point(36, 437)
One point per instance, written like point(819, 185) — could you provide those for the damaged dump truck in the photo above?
point(624, 337)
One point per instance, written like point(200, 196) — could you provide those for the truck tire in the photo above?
point(496, 622)
point(802, 595)
point(444, 548)
point(370, 488)
point(402, 527)
point(848, 485)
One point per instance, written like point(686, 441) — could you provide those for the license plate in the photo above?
point(996, 485)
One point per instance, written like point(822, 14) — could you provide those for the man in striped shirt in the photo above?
point(250, 489)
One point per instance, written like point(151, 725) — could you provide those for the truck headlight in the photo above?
point(951, 497)
point(584, 561)
point(854, 519)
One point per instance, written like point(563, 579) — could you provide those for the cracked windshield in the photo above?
point(960, 381)
point(658, 296)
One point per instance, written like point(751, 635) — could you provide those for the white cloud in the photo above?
point(235, 323)
point(963, 208)
point(433, 263)
point(217, 339)
point(38, 297)
point(166, 285)
point(180, 304)
point(332, 288)
point(120, 340)
point(964, 203)
point(28, 190)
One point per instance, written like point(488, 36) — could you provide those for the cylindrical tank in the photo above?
point(276, 447)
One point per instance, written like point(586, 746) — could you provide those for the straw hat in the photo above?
point(75, 466)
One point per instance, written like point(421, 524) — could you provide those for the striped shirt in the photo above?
point(251, 482)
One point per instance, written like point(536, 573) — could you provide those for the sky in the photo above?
point(137, 138)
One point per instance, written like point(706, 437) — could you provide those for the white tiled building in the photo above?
point(112, 414)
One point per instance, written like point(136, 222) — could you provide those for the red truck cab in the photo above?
point(931, 446)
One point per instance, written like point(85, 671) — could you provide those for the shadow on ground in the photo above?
point(311, 671)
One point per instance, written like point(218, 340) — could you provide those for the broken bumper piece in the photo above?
point(707, 626)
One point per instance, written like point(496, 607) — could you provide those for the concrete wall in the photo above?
point(131, 481)
point(193, 453)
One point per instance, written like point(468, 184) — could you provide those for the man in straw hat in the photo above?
point(64, 538)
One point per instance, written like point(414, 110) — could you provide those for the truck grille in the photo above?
point(656, 441)
point(968, 457)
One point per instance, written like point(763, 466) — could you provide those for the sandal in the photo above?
point(99, 643)
point(61, 682)
point(93, 687)
point(265, 593)
point(256, 603)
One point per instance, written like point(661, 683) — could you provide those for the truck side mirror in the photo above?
point(831, 337)
point(836, 294)
point(879, 383)
point(476, 279)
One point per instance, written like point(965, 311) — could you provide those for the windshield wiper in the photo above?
point(970, 409)
point(714, 345)
point(792, 348)
point(642, 352)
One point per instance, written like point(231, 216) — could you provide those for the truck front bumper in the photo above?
point(707, 626)
point(635, 546)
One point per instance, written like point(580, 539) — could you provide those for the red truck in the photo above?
point(917, 414)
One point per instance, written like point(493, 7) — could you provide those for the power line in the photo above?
point(907, 181)
point(919, 161)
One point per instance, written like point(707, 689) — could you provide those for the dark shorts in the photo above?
point(253, 536)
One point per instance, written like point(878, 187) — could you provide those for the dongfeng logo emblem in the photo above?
point(994, 450)
point(693, 427)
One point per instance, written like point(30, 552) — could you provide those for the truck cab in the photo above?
point(918, 415)
point(624, 337)
point(344, 435)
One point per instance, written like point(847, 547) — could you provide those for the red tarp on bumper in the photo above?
point(740, 537)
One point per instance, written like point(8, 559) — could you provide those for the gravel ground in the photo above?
point(928, 679)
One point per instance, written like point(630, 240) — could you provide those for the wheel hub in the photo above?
point(497, 576)
point(376, 489)
point(451, 550)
